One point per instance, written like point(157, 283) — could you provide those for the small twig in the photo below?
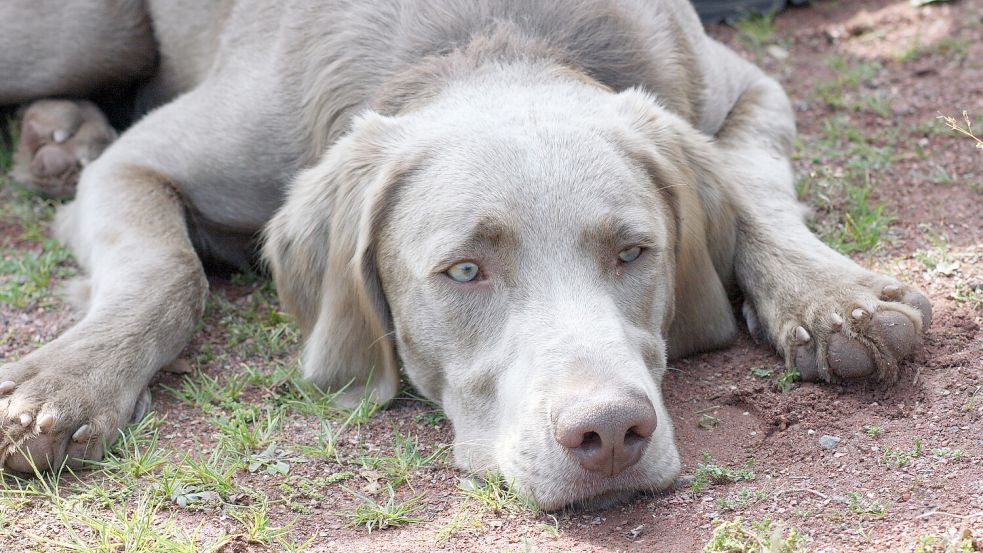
point(943, 513)
point(806, 490)
point(953, 124)
point(707, 409)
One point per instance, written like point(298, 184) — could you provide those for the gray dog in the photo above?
point(529, 206)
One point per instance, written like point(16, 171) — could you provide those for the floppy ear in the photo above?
point(320, 247)
point(681, 162)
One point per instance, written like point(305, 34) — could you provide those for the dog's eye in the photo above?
point(464, 272)
point(628, 255)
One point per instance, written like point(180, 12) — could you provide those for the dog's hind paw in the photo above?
point(57, 139)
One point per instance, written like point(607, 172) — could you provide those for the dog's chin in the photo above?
point(603, 501)
point(583, 500)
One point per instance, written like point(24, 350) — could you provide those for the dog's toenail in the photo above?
point(801, 335)
point(837, 321)
point(26, 419)
point(60, 135)
point(858, 313)
point(82, 434)
point(7, 386)
point(46, 422)
point(891, 292)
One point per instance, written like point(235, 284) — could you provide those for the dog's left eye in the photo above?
point(464, 272)
point(628, 255)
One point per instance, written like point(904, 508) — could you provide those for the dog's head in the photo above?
point(515, 247)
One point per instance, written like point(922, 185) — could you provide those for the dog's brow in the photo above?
point(611, 232)
point(487, 233)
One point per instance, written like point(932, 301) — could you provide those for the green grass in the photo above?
point(950, 48)
point(493, 493)
point(844, 91)
point(847, 161)
point(257, 527)
point(860, 505)
point(405, 459)
point(933, 543)
point(28, 271)
point(375, 515)
point(872, 430)
point(902, 457)
point(742, 499)
point(786, 381)
point(708, 473)
point(26, 277)
point(756, 31)
point(738, 536)
point(955, 455)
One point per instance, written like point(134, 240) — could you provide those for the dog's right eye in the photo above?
point(464, 272)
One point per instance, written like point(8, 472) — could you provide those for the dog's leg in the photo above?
point(128, 230)
point(827, 316)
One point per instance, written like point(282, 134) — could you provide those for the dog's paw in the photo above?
point(55, 413)
point(57, 139)
point(854, 328)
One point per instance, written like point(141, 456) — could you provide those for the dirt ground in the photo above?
point(890, 467)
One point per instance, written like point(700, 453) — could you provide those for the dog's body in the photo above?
point(519, 200)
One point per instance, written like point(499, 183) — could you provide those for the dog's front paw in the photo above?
point(853, 328)
point(57, 139)
point(55, 410)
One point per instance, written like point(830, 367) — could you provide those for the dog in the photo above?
point(527, 207)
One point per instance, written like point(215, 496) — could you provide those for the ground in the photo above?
point(237, 456)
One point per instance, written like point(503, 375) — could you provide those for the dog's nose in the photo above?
point(606, 436)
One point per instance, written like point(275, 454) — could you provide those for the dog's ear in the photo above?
point(685, 168)
point(320, 248)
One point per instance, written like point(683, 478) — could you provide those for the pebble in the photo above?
point(829, 442)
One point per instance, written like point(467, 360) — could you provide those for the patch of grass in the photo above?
point(742, 499)
point(327, 441)
point(433, 418)
point(864, 223)
point(196, 479)
point(963, 293)
point(950, 454)
point(760, 372)
point(736, 536)
point(951, 48)
point(872, 430)
point(863, 506)
point(136, 453)
point(405, 459)
point(257, 527)
point(253, 326)
point(958, 542)
point(204, 391)
point(708, 473)
point(26, 276)
point(142, 528)
point(902, 457)
point(756, 30)
point(842, 185)
point(462, 521)
point(842, 92)
point(374, 515)
point(786, 381)
point(493, 493)
point(248, 428)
